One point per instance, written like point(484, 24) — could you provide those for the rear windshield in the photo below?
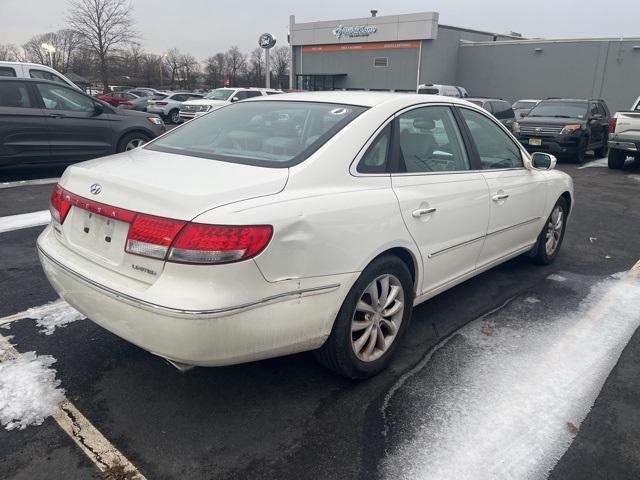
point(428, 91)
point(560, 110)
point(523, 105)
point(220, 94)
point(268, 133)
point(475, 102)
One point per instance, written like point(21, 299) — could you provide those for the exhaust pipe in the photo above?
point(181, 367)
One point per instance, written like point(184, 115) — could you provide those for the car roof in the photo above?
point(34, 80)
point(566, 100)
point(360, 98)
point(528, 100)
point(6, 62)
point(485, 99)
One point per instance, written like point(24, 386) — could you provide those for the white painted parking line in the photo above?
point(505, 398)
point(106, 457)
point(25, 220)
point(24, 183)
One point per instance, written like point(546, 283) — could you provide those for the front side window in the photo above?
point(14, 94)
point(270, 133)
point(7, 72)
point(495, 148)
point(61, 98)
point(430, 142)
point(44, 75)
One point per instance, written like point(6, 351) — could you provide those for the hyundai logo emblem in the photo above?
point(96, 188)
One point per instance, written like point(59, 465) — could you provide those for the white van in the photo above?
point(33, 70)
point(444, 90)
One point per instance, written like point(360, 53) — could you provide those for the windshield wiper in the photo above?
point(562, 116)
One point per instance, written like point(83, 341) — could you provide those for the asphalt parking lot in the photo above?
point(444, 409)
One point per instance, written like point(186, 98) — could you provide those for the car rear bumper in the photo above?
point(624, 145)
point(274, 322)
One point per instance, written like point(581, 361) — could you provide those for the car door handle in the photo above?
point(500, 196)
point(423, 211)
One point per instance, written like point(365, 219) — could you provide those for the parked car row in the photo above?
point(218, 98)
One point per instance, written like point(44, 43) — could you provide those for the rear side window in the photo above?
point(7, 72)
point(375, 160)
point(495, 148)
point(62, 98)
point(44, 75)
point(271, 133)
point(14, 94)
point(430, 142)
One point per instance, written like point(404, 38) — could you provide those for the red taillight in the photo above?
point(200, 243)
point(612, 125)
point(169, 239)
point(151, 236)
point(60, 204)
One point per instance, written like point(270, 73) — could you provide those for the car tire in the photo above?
point(616, 159)
point(582, 151)
point(131, 141)
point(366, 333)
point(550, 239)
point(174, 116)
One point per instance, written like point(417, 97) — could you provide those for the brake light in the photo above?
point(200, 243)
point(169, 239)
point(60, 204)
point(151, 236)
point(612, 125)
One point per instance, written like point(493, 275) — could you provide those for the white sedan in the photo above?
point(307, 221)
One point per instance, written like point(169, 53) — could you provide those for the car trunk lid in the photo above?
point(151, 183)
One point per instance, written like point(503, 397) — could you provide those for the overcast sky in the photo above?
point(204, 27)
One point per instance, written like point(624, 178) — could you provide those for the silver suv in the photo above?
point(169, 106)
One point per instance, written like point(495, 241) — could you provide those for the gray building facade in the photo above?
point(399, 52)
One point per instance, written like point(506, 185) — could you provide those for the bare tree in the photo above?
point(189, 70)
point(173, 59)
point(10, 53)
point(236, 63)
point(65, 42)
point(256, 67)
point(281, 61)
point(105, 25)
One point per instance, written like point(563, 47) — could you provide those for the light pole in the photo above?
point(51, 49)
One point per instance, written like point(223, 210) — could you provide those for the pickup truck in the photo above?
point(624, 136)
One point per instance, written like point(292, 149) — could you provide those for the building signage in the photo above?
point(346, 47)
point(354, 31)
point(266, 40)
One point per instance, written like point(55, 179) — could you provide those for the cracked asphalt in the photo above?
point(288, 418)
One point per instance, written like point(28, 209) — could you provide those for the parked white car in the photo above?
point(169, 106)
point(298, 222)
point(219, 98)
point(34, 70)
point(444, 90)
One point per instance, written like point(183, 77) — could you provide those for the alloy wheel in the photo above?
point(377, 318)
point(554, 230)
point(134, 143)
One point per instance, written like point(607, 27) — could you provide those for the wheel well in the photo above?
point(567, 197)
point(407, 257)
point(136, 130)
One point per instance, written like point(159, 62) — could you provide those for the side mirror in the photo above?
point(235, 99)
point(98, 109)
point(543, 161)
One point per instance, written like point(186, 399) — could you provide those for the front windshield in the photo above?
point(270, 133)
point(560, 110)
point(219, 94)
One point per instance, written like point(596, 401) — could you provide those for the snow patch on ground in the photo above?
point(507, 405)
point(29, 390)
point(600, 162)
point(634, 177)
point(556, 278)
point(54, 315)
point(532, 300)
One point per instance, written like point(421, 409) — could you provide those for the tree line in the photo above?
point(100, 43)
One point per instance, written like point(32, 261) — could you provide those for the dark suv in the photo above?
point(499, 108)
point(566, 128)
point(43, 122)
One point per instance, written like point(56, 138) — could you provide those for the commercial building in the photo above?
point(399, 52)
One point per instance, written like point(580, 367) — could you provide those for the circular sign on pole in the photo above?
point(266, 40)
